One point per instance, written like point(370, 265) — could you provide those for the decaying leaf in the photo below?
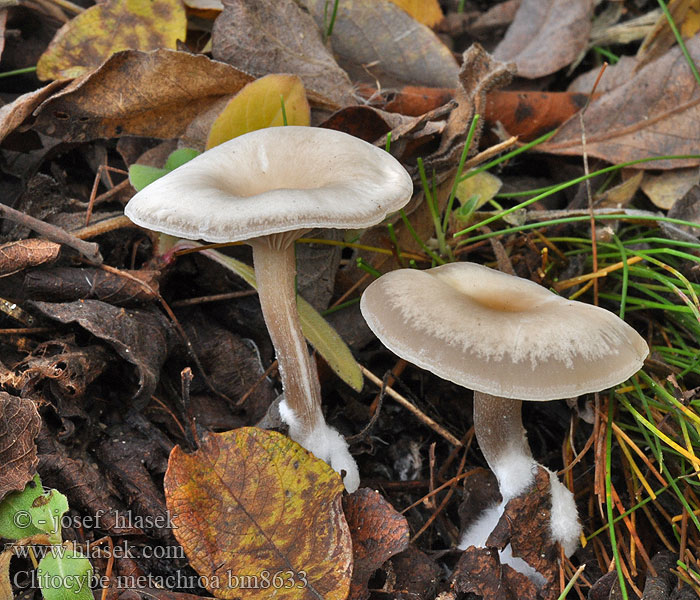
point(22, 254)
point(251, 502)
point(64, 284)
point(378, 533)
point(685, 15)
point(655, 113)
point(19, 425)
point(381, 37)
point(279, 37)
point(105, 28)
point(427, 12)
point(480, 572)
point(546, 36)
point(271, 101)
point(135, 93)
point(5, 583)
point(525, 525)
point(140, 336)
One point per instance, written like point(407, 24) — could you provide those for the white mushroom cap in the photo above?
point(271, 181)
point(499, 334)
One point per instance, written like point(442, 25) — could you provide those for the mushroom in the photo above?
point(268, 188)
point(508, 339)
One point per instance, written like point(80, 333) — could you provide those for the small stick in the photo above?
point(89, 250)
point(410, 407)
point(104, 227)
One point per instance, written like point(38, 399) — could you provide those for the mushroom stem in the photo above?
point(275, 272)
point(498, 426)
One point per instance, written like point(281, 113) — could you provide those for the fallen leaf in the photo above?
point(261, 104)
point(140, 336)
point(142, 175)
point(381, 37)
point(65, 575)
point(655, 113)
point(19, 425)
point(664, 189)
point(620, 195)
point(105, 28)
point(5, 583)
point(417, 574)
point(532, 114)
point(427, 12)
point(135, 93)
point(13, 114)
point(23, 254)
point(525, 525)
point(278, 37)
point(480, 572)
point(378, 533)
point(251, 502)
point(686, 208)
point(546, 36)
point(64, 284)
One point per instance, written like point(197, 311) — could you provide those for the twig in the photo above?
point(425, 419)
point(89, 250)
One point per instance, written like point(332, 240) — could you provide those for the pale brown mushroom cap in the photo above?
point(499, 334)
point(271, 181)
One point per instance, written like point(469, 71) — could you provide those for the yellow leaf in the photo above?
point(259, 105)
point(94, 35)
point(427, 12)
point(260, 517)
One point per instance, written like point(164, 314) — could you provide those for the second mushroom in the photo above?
point(508, 339)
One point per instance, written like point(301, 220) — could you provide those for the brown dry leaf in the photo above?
point(260, 104)
point(686, 208)
point(22, 254)
point(19, 425)
point(546, 36)
point(5, 583)
point(382, 38)
point(378, 533)
point(480, 572)
point(279, 37)
point(250, 501)
point(142, 337)
point(12, 115)
point(620, 195)
point(3, 23)
point(147, 94)
point(655, 113)
point(105, 28)
point(427, 12)
point(665, 189)
point(64, 284)
point(525, 525)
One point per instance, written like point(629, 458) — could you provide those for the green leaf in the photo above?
point(64, 574)
point(32, 511)
point(142, 175)
point(315, 328)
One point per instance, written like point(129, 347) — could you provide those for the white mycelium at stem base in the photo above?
point(267, 188)
point(508, 339)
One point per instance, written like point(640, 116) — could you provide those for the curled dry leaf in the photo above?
point(654, 113)
point(135, 93)
point(279, 37)
point(252, 501)
point(546, 36)
point(19, 425)
point(23, 254)
point(64, 284)
point(384, 39)
point(668, 187)
point(105, 28)
point(142, 337)
point(12, 115)
point(378, 533)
